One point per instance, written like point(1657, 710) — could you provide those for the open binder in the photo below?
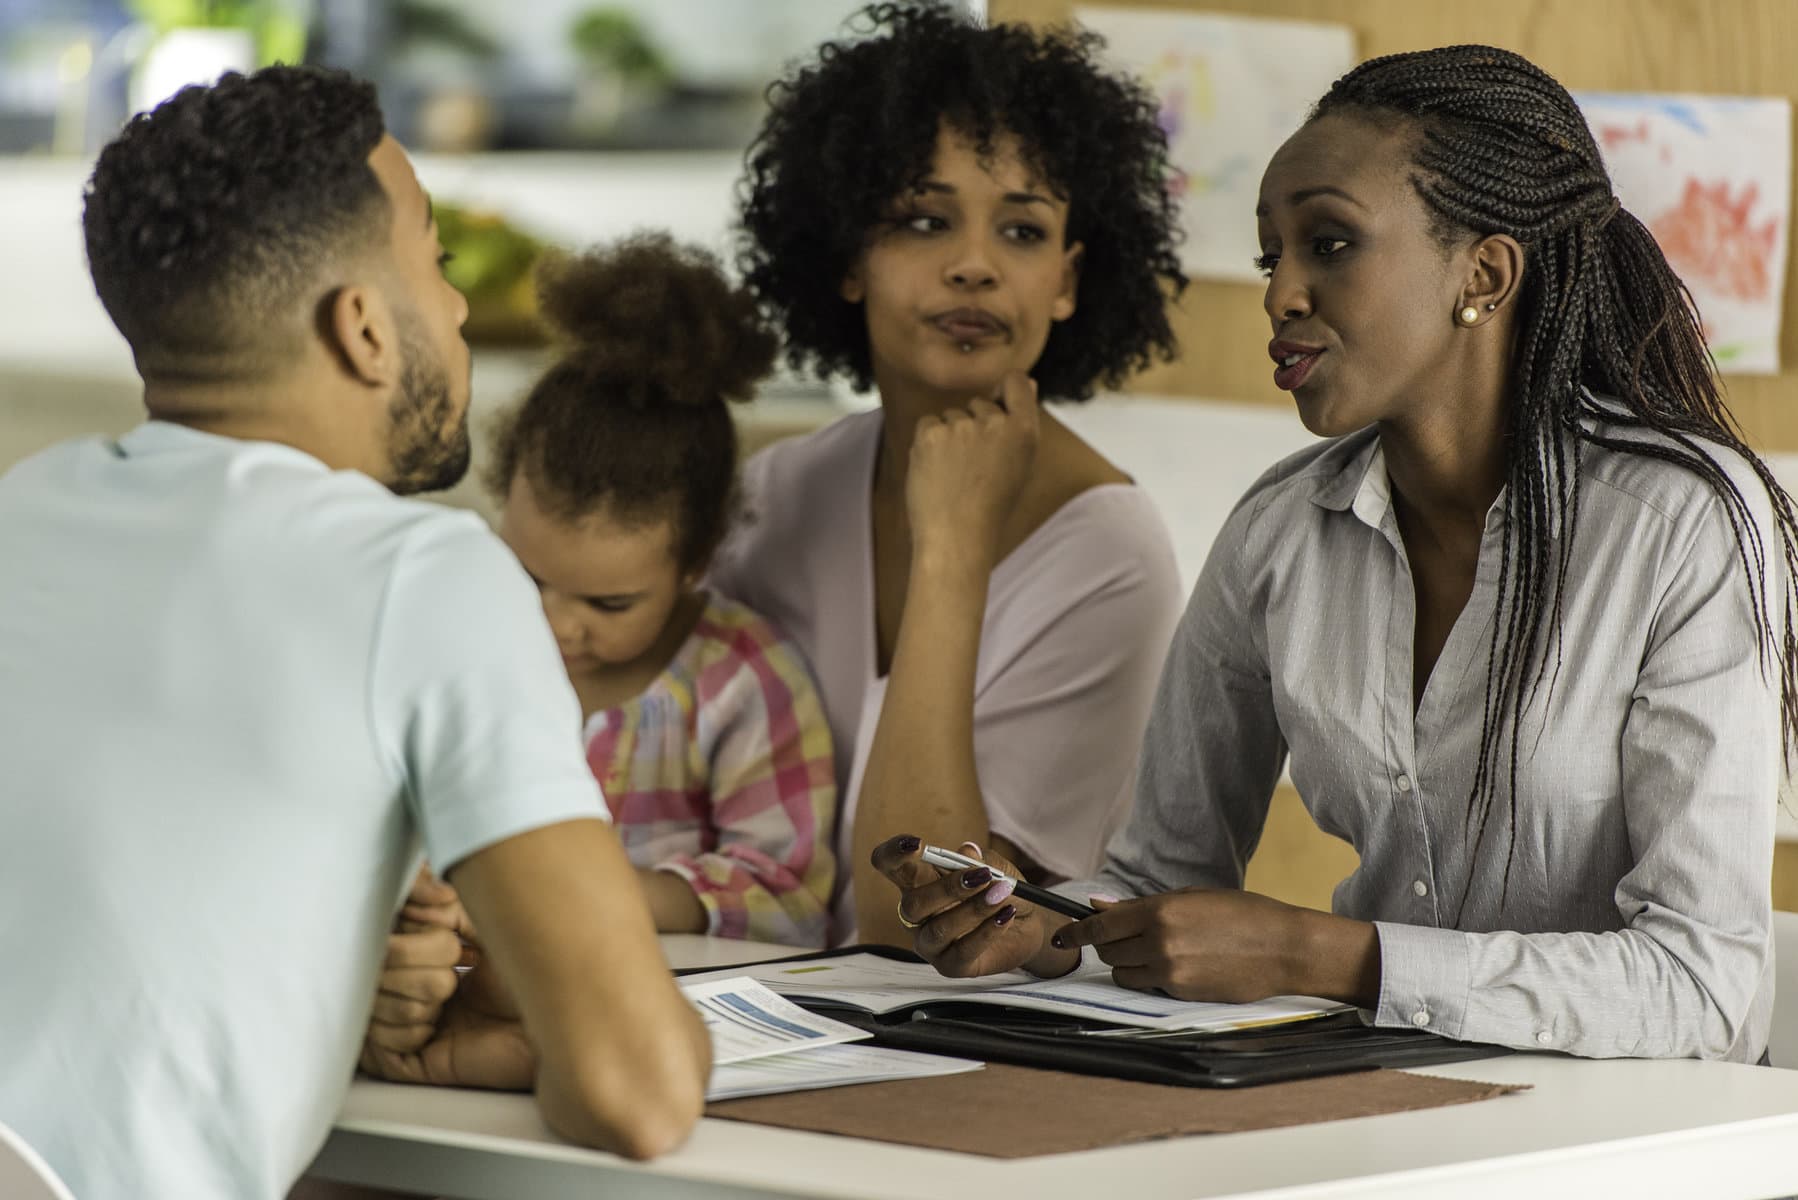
point(1324, 1045)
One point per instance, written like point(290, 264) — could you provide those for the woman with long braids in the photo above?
point(1521, 626)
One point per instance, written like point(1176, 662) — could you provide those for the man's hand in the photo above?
point(434, 904)
point(467, 1049)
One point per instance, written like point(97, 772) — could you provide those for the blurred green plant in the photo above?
point(614, 40)
point(279, 31)
point(491, 265)
point(424, 23)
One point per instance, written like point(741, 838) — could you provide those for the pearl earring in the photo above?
point(1469, 315)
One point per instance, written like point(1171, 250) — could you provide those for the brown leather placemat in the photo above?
point(978, 1113)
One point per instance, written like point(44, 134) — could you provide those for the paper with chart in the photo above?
point(828, 1066)
point(882, 985)
point(1711, 178)
point(1231, 90)
point(748, 1021)
point(762, 1044)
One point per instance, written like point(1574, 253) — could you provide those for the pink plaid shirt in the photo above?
point(721, 772)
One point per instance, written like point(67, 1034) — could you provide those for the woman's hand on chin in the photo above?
point(968, 467)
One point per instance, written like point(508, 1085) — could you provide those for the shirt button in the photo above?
point(1421, 1017)
point(1403, 782)
point(1544, 1038)
point(1421, 888)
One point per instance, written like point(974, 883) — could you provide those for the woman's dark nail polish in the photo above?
point(978, 877)
point(1006, 914)
point(909, 845)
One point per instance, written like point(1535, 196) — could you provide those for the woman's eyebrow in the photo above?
point(948, 189)
point(1303, 194)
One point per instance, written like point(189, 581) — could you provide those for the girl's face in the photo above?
point(1361, 293)
point(609, 588)
point(964, 280)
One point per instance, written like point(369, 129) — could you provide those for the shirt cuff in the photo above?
point(1425, 978)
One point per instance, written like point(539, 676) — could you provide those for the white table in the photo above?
point(1676, 1129)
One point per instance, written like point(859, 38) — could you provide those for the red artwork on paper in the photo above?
point(1612, 136)
point(1709, 238)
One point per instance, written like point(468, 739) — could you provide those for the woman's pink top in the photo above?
point(1078, 619)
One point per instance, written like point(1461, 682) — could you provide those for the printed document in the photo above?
point(880, 985)
point(763, 1044)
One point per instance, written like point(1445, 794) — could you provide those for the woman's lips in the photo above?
point(1288, 378)
point(969, 324)
point(1293, 362)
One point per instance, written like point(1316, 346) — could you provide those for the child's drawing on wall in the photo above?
point(1711, 178)
point(1266, 72)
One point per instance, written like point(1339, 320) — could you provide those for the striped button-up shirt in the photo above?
point(1636, 917)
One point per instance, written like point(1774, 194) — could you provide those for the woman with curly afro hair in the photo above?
point(965, 219)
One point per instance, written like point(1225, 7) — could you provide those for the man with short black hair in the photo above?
point(243, 679)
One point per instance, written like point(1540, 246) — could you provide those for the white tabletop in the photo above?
point(1627, 1127)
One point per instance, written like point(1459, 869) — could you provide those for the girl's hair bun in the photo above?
point(649, 320)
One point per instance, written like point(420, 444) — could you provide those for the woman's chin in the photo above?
point(981, 373)
point(1325, 418)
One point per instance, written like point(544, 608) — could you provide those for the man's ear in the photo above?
point(360, 330)
point(1070, 282)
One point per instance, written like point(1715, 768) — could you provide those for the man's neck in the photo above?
point(283, 411)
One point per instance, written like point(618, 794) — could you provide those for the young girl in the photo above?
point(1521, 626)
point(616, 477)
point(962, 218)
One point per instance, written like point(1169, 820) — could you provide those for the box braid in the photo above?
point(1504, 150)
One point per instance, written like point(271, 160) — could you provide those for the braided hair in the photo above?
point(1503, 149)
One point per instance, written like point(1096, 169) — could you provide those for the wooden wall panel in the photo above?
point(1747, 47)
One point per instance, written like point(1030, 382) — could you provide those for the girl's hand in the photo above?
point(968, 467)
point(1221, 944)
point(967, 924)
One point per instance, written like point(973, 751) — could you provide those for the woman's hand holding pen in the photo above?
point(966, 923)
point(1222, 944)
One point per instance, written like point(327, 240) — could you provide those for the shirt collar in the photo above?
point(1361, 486)
point(155, 436)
